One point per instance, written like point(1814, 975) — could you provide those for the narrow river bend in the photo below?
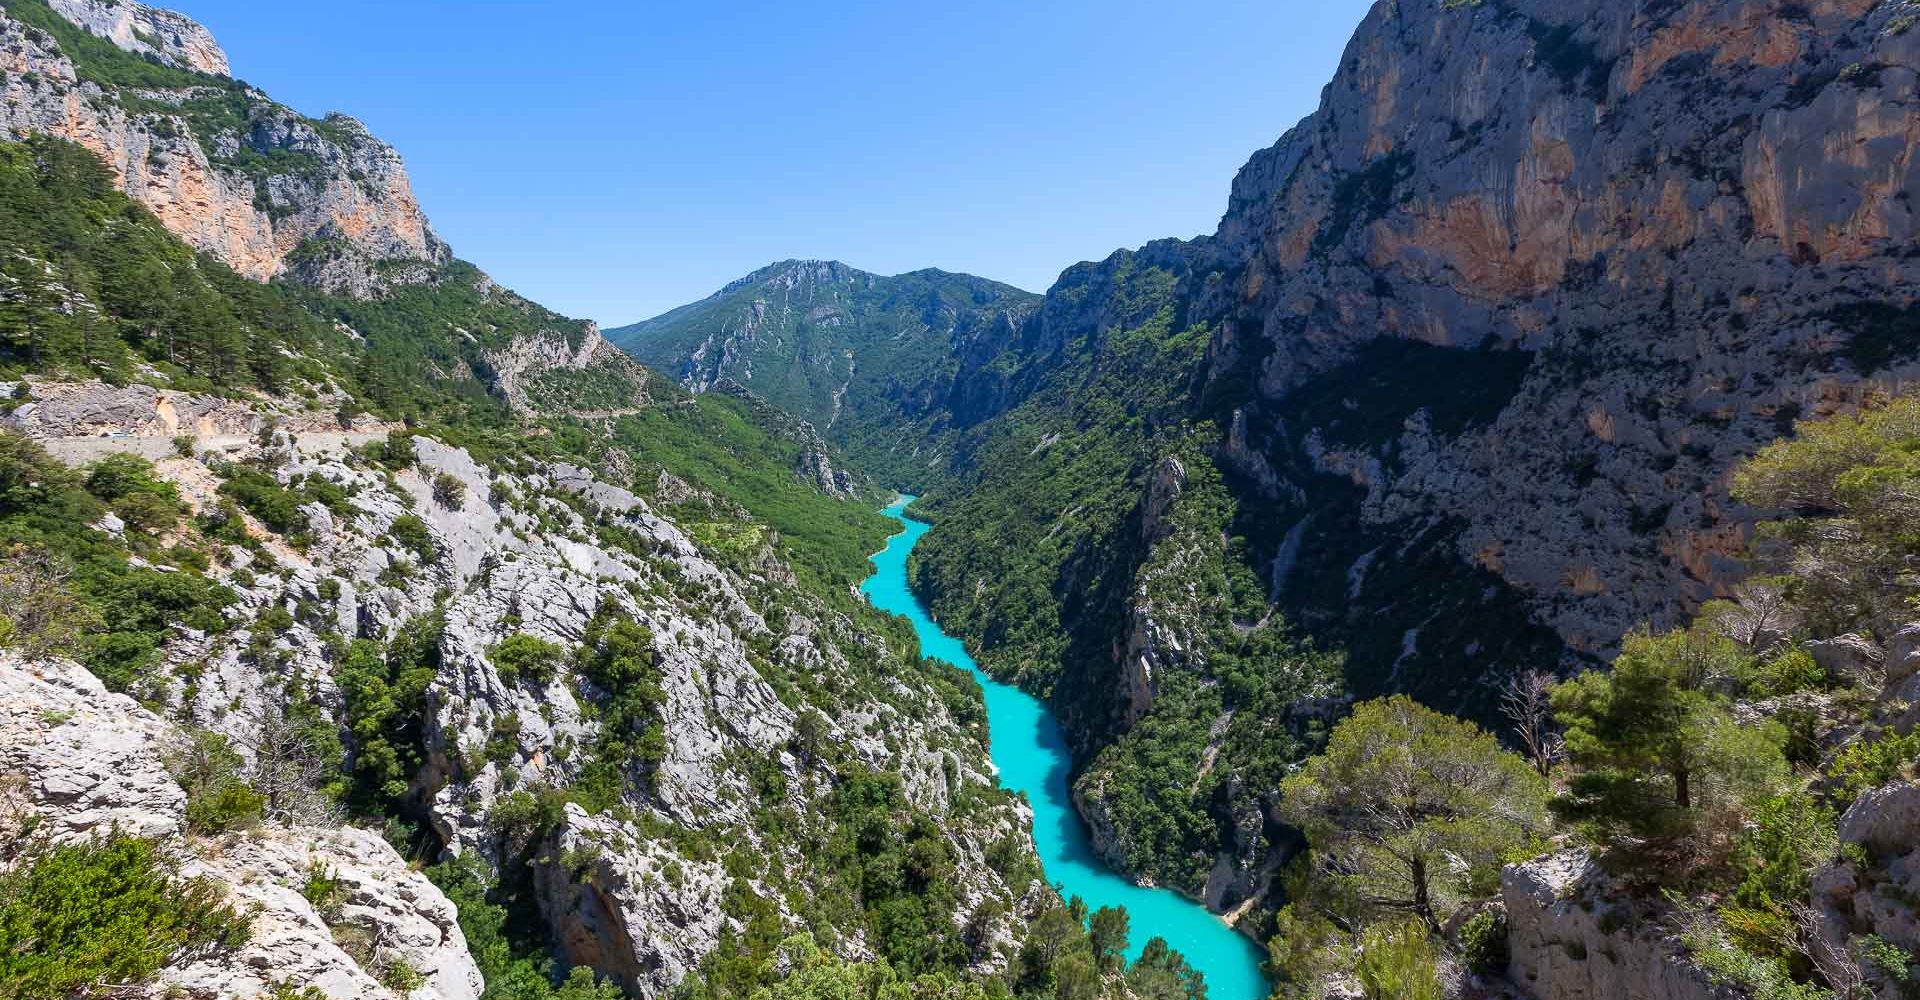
point(1031, 752)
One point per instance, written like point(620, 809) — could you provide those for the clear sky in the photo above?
point(613, 160)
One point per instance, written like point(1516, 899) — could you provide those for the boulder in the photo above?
point(1573, 937)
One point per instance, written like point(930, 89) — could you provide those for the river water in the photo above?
point(1031, 753)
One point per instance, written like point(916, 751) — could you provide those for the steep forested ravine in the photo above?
point(1033, 759)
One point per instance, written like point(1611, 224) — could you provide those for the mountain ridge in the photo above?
point(790, 331)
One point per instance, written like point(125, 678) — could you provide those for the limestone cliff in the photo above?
point(1666, 230)
point(263, 188)
point(87, 761)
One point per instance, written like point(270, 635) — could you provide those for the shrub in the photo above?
point(1398, 962)
point(109, 911)
point(449, 491)
point(262, 495)
point(527, 656)
point(413, 535)
point(218, 800)
point(1786, 838)
point(322, 889)
point(1868, 764)
point(127, 485)
point(1483, 943)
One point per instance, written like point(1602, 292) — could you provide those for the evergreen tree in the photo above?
point(1409, 809)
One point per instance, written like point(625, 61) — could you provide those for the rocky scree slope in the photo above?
point(879, 364)
point(1474, 348)
point(257, 185)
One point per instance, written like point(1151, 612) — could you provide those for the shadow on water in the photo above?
point(1030, 750)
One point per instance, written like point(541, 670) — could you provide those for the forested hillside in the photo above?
point(886, 367)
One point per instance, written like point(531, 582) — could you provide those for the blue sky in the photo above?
point(613, 160)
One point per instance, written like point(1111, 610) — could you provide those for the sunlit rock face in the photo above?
point(221, 165)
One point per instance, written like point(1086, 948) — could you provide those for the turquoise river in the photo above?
point(1031, 753)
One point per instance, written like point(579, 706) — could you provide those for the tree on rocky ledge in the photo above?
point(1409, 809)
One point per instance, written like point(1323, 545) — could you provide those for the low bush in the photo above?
point(108, 912)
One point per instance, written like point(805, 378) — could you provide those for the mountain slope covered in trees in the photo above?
point(885, 367)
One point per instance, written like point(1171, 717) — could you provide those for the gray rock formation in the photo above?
point(1574, 938)
point(516, 552)
point(165, 35)
point(1669, 211)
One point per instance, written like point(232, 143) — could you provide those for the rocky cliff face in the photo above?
point(167, 36)
point(1574, 938)
point(1659, 232)
point(219, 163)
point(88, 761)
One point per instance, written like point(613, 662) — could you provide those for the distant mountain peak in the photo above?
point(855, 353)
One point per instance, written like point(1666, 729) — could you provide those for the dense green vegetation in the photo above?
point(1096, 503)
point(97, 914)
point(1232, 702)
point(869, 360)
point(1052, 489)
point(739, 455)
point(72, 588)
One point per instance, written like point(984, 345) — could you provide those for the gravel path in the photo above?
point(81, 450)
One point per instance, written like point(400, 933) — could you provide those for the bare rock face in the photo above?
point(348, 199)
point(639, 912)
point(90, 759)
point(511, 369)
point(1573, 939)
point(1646, 237)
point(386, 915)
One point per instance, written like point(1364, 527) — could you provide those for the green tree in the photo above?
point(529, 656)
point(1163, 974)
point(218, 798)
point(1651, 739)
point(1850, 483)
point(1408, 808)
point(1107, 929)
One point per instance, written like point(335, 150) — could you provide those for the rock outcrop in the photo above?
point(167, 36)
point(1574, 938)
point(91, 762)
point(220, 164)
point(1683, 224)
